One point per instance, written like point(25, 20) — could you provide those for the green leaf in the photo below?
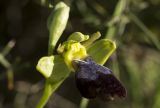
point(101, 50)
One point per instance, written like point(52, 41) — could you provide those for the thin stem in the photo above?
point(141, 25)
point(46, 94)
point(84, 103)
point(112, 27)
point(115, 66)
point(4, 62)
point(10, 76)
point(8, 47)
point(7, 64)
point(48, 90)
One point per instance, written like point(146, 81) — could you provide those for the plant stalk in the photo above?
point(112, 27)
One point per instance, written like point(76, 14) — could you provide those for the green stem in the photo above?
point(10, 76)
point(48, 90)
point(115, 66)
point(119, 9)
point(4, 62)
point(46, 94)
point(84, 103)
point(149, 33)
point(8, 47)
point(8, 66)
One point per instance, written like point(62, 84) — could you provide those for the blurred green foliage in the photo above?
point(136, 61)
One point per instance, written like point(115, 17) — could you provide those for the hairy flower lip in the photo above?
point(97, 81)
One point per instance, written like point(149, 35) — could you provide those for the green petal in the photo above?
point(53, 68)
point(78, 36)
point(101, 50)
point(60, 70)
point(45, 66)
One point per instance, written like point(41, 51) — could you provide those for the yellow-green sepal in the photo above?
point(101, 50)
point(53, 68)
point(60, 70)
point(45, 66)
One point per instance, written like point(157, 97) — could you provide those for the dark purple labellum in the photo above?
point(94, 81)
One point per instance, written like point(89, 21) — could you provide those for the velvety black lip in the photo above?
point(96, 81)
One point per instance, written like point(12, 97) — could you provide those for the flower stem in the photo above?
point(84, 103)
point(112, 27)
point(46, 94)
point(48, 90)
